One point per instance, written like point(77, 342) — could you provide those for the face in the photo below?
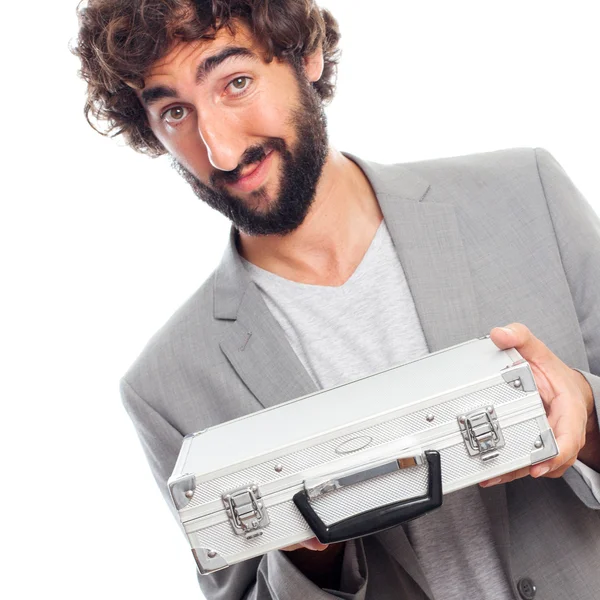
point(249, 137)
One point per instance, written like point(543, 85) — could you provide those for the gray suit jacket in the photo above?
point(484, 240)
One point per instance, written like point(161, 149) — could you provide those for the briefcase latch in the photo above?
point(246, 511)
point(482, 432)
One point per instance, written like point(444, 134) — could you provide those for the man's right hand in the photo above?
point(312, 544)
point(321, 563)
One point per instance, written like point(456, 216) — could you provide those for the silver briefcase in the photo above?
point(360, 457)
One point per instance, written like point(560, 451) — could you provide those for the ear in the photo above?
point(314, 65)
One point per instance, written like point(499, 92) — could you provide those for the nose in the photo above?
point(223, 140)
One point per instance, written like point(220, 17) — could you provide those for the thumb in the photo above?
point(518, 336)
point(314, 544)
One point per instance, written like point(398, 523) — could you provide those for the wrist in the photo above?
point(588, 395)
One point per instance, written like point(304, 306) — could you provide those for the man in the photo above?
point(338, 268)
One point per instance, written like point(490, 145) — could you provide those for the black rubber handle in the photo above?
point(380, 518)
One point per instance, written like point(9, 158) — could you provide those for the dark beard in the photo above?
point(301, 169)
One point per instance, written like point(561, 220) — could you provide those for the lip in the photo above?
point(255, 177)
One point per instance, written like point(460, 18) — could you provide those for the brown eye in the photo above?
point(176, 113)
point(240, 83)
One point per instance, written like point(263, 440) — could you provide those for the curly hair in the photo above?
point(119, 41)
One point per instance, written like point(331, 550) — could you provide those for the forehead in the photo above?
point(184, 56)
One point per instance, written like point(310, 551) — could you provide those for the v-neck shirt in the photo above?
point(332, 328)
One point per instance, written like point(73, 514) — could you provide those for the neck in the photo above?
point(332, 240)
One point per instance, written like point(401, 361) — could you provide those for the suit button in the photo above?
point(527, 588)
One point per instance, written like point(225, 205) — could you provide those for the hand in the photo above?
point(323, 566)
point(566, 395)
point(312, 544)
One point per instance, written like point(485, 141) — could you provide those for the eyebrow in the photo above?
point(156, 93)
point(212, 62)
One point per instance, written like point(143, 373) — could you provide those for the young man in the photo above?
point(338, 268)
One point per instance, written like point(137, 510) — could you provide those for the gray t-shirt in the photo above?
point(363, 326)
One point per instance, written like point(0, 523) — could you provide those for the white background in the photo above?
point(100, 246)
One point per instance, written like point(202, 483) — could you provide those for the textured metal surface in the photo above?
point(286, 521)
point(457, 464)
point(208, 560)
point(382, 433)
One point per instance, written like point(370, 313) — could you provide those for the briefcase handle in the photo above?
point(377, 519)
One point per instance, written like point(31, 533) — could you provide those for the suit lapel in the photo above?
point(428, 241)
point(257, 348)
point(254, 342)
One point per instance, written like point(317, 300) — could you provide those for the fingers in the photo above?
point(292, 548)
point(517, 335)
point(561, 393)
point(506, 478)
point(569, 446)
point(312, 544)
point(568, 421)
point(553, 470)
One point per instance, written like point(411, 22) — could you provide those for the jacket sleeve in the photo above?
point(577, 230)
point(269, 577)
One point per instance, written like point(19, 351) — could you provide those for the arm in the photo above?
point(278, 575)
point(577, 230)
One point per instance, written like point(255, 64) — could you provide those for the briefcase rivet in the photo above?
point(212, 554)
point(189, 494)
point(490, 410)
point(462, 420)
point(538, 443)
point(518, 383)
point(430, 417)
point(279, 467)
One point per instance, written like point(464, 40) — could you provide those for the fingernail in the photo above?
point(542, 471)
point(492, 482)
point(507, 329)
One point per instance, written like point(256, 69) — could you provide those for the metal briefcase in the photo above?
point(360, 457)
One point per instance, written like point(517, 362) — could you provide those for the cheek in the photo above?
point(270, 119)
point(190, 151)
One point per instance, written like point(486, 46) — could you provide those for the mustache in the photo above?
point(252, 155)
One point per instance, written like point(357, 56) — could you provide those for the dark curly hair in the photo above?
point(119, 40)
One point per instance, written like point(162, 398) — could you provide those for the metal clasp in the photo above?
point(247, 514)
point(482, 432)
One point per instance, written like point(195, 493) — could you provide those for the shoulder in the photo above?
point(511, 175)
point(503, 178)
point(516, 165)
point(186, 341)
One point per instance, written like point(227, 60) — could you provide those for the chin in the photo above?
point(261, 201)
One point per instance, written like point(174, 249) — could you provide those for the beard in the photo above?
point(301, 168)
